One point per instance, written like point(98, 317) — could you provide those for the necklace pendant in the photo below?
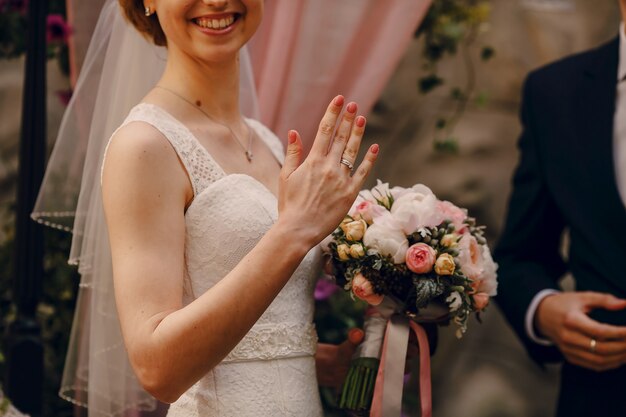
point(249, 156)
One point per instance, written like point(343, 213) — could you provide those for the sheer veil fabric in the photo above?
point(119, 69)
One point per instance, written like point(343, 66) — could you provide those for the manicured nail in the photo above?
point(338, 100)
point(291, 136)
point(360, 121)
point(351, 108)
point(375, 148)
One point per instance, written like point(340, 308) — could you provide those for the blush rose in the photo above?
point(420, 258)
point(363, 289)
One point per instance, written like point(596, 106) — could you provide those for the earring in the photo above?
point(148, 11)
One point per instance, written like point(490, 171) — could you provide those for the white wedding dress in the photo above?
point(271, 372)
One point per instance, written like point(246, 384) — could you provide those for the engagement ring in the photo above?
point(347, 163)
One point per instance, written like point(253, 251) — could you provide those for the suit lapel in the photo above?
point(595, 116)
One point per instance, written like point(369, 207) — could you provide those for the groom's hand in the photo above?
point(563, 319)
point(333, 361)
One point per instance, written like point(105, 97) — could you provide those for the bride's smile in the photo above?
point(211, 31)
point(217, 24)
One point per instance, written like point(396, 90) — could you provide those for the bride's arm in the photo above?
point(145, 192)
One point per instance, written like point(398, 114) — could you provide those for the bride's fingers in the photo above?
point(343, 132)
point(365, 168)
point(293, 155)
point(327, 127)
point(354, 143)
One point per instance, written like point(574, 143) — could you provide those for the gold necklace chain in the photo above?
point(247, 151)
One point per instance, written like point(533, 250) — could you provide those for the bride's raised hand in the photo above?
point(315, 195)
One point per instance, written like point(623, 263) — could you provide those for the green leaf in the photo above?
point(429, 83)
point(457, 94)
point(426, 290)
point(449, 145)
point(482, 99)
point(487, 53)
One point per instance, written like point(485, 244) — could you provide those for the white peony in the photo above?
point(388, 241)
point(415, 209)
point(380, 193)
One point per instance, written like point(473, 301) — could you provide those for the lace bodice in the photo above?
point(227, 217)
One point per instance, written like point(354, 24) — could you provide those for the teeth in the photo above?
point(215, 23)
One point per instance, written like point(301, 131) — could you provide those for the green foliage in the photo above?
point(452, 27)
point(12, 34)
point(14, 31)
point(55, 311)
point(334, 317)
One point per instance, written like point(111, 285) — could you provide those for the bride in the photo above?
point(213, 230)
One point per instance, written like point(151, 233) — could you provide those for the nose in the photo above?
point(216, 4)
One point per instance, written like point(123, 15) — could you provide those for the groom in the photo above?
point(572, 176)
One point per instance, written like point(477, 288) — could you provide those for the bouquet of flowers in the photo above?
point(411, 256)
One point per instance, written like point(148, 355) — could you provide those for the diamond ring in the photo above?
point(347, 163)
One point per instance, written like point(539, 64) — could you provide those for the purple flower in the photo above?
point(57, 29)
point(324, 289)
point(64, 96)
point(20, 6)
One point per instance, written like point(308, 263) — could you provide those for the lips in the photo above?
point(220, 22)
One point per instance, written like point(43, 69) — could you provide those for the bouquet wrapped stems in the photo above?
point(358, 388)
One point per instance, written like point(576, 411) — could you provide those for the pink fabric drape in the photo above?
point(308, 51)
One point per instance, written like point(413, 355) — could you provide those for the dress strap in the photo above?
point(200, 166)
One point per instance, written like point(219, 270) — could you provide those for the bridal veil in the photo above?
point(119, 69)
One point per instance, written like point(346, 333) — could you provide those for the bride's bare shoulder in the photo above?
point(139, 155)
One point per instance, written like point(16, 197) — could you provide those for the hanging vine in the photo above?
point(454, 27)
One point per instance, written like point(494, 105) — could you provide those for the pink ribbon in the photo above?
point(387, 401)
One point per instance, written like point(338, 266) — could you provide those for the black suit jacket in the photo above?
point(566, 179)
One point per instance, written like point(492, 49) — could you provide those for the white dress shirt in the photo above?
point(619, 153)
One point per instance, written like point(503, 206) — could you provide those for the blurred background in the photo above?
point(447, 117)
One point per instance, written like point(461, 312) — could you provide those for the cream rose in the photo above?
point(387, 241)
point(343, 251)
point(445, 264)
point(357, 251)
point(450, 240)
point(354, 230)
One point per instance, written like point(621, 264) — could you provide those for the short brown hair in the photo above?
point(148, 26)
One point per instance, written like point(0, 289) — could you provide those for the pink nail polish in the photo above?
point(338, 100)
point(291, 136)
point(375, 148)
point(360, 121)
point(351, 108)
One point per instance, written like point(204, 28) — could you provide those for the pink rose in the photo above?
point(363, 289)
point(452, 213)
point(420, 258)
point(470, 257)
point(368, 211)
point(481, 300)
